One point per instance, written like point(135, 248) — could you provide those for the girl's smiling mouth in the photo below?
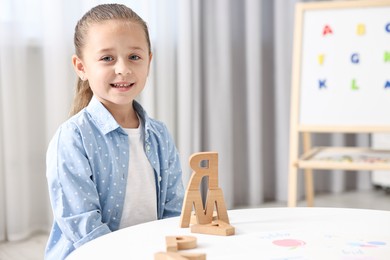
point(122, 85)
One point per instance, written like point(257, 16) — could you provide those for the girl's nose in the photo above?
point(122, 68)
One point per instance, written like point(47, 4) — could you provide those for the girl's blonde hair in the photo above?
point(97, 14)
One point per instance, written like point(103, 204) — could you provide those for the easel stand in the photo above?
point(204, 216)
point(334, 91)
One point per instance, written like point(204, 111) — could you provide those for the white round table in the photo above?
point(264, 233)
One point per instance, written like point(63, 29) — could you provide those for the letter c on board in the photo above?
point(355, 58)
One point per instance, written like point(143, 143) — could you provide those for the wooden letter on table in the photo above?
point(193, 198)
point(176, 243)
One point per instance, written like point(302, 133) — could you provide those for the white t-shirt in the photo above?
point(140, 200)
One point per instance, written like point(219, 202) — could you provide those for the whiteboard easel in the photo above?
point(340, 84)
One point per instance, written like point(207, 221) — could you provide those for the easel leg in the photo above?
point(309, 185)
point(292, 186)
point(308, 172)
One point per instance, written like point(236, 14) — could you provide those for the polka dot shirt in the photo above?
point(87, 167)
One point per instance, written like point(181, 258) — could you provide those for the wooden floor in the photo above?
point(33, 248)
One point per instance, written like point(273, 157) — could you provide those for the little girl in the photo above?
point(110, 166)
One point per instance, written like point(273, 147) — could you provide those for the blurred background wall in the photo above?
point(220, 80)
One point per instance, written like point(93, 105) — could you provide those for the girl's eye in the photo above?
point(107, 58)
point(134, 57)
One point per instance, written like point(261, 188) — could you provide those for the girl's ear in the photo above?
point(78, 67)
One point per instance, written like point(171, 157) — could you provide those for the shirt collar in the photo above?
point(102, 117)
point(143, 115)
point(106, 122)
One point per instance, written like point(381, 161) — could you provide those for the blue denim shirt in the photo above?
point(87, 168)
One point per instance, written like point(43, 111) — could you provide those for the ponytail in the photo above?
point(83, 94)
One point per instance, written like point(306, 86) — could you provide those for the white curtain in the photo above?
point(220, 80)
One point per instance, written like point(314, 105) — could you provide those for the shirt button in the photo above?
point(159, 178)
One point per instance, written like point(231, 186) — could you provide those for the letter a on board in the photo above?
point(327, 30)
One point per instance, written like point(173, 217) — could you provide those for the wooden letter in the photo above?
point(217, 227)
point(193, 196)
point(175, 243)
point(214, 200)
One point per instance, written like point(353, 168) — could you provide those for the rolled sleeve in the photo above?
point(73, 193)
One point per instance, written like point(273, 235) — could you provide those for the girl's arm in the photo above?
point(73, 194)
point(175, 190)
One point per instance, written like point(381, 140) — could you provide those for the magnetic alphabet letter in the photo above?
point(322, 83)
point(321, 58)
point(387, 56)
point(327, 30)
point(353, 85)
point(387, 84)
point(360, 29)
point(355, 58)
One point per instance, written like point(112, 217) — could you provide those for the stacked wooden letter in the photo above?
point(213, 219)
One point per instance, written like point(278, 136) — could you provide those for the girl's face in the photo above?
point(115, 61)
